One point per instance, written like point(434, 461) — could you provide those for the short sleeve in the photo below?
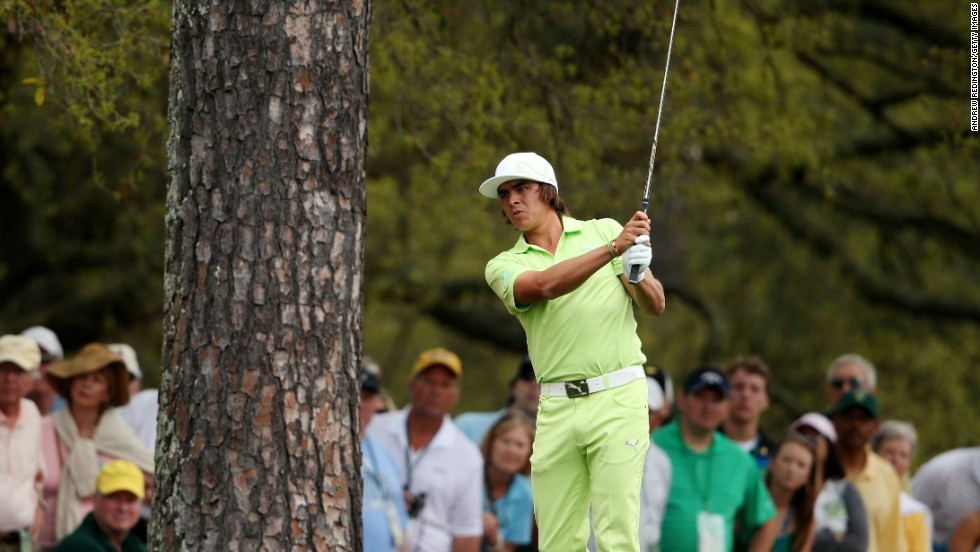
point(520, 512)
point(500, 274)
point(466, 518)
point(758, 507)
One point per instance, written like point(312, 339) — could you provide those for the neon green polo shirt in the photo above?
point(722, 479)
point(582, 334)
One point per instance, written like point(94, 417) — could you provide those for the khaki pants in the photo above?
point(590, 450)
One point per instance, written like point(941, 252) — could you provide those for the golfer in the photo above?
point(564, 280)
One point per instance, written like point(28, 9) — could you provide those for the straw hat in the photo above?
point(92, 358)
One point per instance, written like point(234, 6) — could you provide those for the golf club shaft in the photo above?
point(635, 269)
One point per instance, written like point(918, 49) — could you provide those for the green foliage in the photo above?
point(83, 177)
point(813, 181)
point(99, 62)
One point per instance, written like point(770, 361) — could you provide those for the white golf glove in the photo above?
point(638, 255)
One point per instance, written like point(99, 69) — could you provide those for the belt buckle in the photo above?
point(576, 388)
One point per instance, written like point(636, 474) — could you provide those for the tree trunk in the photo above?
point(258, 446)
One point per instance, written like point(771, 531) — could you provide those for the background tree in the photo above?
point(262, 316)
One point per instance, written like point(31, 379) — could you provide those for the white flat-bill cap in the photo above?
point(520, 166)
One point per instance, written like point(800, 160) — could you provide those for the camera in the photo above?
point(415, 504)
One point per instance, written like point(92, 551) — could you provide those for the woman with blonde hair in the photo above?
point(87, 433)
point(508, 511)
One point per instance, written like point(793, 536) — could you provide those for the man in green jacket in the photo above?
point(120, 491)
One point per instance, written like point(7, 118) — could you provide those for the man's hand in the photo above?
point(638, 225)
point(640, 255)
point(491, 528)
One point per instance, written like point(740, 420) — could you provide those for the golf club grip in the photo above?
point(634, 274)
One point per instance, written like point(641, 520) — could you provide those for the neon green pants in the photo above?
point(590, 449)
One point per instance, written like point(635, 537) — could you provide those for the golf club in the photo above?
point(635, 269)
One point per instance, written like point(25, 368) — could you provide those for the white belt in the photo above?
point(583, 387)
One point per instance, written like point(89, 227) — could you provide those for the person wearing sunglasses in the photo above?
point(856, 419)
point(846, 373)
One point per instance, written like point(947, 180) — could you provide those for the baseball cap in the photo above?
point(706, 377)
point(519, 166)
point(20, 350)
point(370, 382)
point(121, 475)
point(818, 422)
point(859, 398)
point(436, 357)
point(46, 339)
point(128, 356)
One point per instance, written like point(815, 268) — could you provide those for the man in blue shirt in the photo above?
point(383, 508)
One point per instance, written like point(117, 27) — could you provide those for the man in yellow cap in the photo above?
point(440, 469)
point(120, 491)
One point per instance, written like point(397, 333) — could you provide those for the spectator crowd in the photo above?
point(76, 463)
point(836, 480)
point(77, 435)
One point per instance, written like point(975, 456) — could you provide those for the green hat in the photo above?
point(857, 398)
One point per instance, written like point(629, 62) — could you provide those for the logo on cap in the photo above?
point(710, 378)
point(706, 377)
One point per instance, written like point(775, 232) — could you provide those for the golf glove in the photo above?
point(638, 255)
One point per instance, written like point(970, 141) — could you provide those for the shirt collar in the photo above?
point(22, 415)
point(677, 436)
point(569, 226)
point(442, 439)
point(867, 472)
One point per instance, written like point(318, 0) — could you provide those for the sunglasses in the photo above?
point(838, 383)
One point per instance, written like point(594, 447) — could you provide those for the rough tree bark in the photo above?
point(258, 444)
